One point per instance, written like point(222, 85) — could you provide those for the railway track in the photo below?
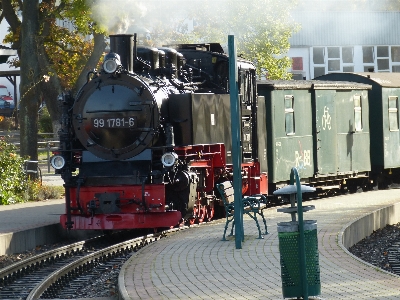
point(394, 257)
point(68, 270)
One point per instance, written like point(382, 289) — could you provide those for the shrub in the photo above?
point(14, 184)
point(13, 180)
point(45, 123)
point(49, 192)
point(7, 123)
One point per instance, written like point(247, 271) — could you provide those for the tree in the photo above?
point(30, 74)
point(262, 28)
point(51, 57)
point(55, 58)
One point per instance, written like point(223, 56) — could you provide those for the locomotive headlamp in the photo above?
point(169, 159)
point(57, 162)
point(111, 62)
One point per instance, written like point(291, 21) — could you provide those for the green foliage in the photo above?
point(38, 192)
point(7, 123)
point(14, 184)
point(49, 192)
point(45, 123)
point(67, 50)
point(262, 28)
point(13, 180)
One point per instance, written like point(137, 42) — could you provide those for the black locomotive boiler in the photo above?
point(146, 139)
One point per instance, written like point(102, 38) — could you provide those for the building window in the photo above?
point(381, 58)
point(297, 63)
point(395, 58)
point(347, 55)
point(319, 71)
point(393, 113)
point(368, 55)
point(357, 113)
point(348, 68)
point(289, 114)
point(319, 55)
point(333, 59)
point(395, 53)
point(333, 65)
point(382, 53)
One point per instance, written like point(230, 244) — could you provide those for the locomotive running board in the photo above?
point(123, 221)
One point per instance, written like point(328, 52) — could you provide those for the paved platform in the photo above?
point(23, 226)
point(22, 216)
point(196, 264)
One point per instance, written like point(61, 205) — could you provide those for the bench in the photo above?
point(252, 206)
point(32, 170)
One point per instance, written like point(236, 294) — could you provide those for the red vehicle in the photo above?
point(6, 95)
point(6, 102)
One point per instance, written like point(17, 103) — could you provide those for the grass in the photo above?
point(42, 154)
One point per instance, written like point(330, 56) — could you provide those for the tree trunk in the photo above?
point(50, 88)
point(30, 79)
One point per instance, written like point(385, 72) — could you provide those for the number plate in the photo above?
point(126, 122)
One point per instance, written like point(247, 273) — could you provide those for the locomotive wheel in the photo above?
point(209, 212)
point(352, 188)
point(201, 214)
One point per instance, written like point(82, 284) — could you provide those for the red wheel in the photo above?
point(209, 212)
point(202, 214)
point(195, 211)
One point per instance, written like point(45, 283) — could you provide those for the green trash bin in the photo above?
point(289, 236)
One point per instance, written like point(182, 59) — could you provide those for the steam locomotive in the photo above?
point(146, 139)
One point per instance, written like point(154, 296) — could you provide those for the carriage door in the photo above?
point(325, 127)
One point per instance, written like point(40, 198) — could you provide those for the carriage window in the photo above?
point(357, 113)
point(393, 115)
point(289, 115)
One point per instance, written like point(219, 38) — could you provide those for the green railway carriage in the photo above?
point(289, 129)
point(321, 128)
point(341, 134)
point(384, 122)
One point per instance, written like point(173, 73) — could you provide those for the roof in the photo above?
point(310, 84)
point(10, 73)
point(336, 28)
point(389, 80)
point(338, 85)
point(5, 53)
point(285, 84)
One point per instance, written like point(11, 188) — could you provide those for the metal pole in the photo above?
point(236, 153)
point(48, 157)
point(302, 254)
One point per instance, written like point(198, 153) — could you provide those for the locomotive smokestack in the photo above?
point(122, 44)
point(134, 46)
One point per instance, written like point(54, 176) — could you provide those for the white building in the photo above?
point(345, 42)
point(5, 54)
